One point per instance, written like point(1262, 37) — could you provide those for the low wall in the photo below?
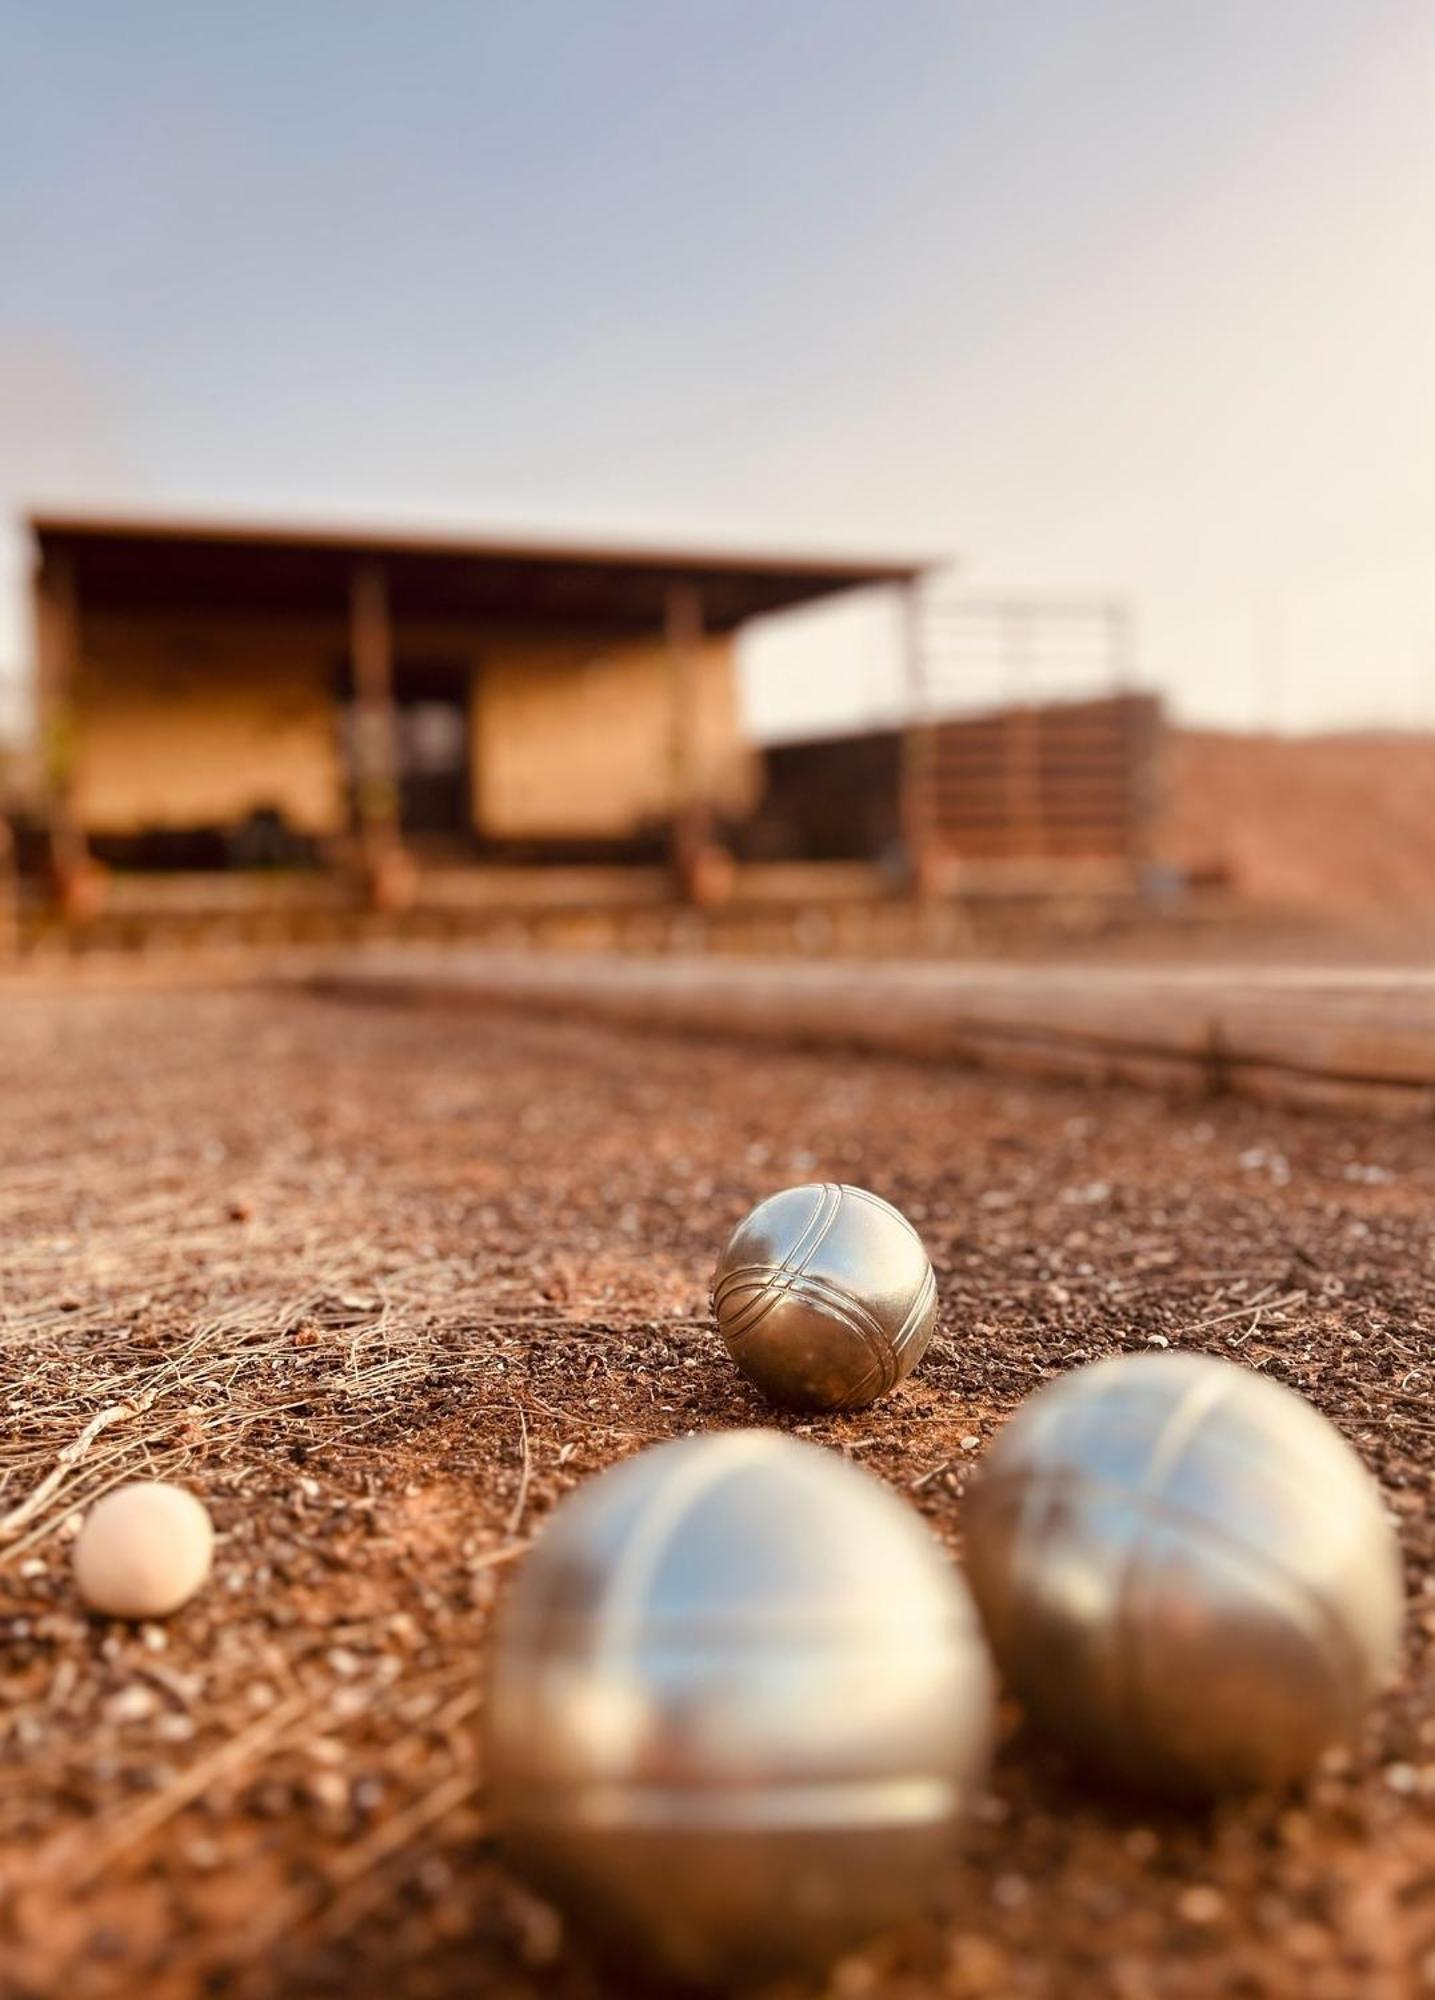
point(1312, 1036)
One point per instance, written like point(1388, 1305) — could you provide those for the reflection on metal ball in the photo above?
point(738, 1702)
point(825, 1297)
point(1184, 1571)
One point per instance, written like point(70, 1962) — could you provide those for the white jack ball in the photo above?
point(143, 1551)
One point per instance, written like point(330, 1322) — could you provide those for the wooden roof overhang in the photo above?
point(139, 565)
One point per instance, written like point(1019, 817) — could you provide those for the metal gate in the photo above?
point(1032, 777)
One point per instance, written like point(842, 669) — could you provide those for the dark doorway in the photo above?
point(433, 746)
point(434, 763)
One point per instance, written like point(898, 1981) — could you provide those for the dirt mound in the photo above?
point(1331, 823)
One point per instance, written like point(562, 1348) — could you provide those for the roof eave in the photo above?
point(849, 571)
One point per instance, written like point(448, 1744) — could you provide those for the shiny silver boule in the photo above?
point(739, 1700)
point(1185, 1571)
point(825, 1297)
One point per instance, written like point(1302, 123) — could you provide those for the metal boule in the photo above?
point(825, 1297)
point(1184, 1571)
point(739, 1701)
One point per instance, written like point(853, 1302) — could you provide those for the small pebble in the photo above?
point(329, 1790)
point(131, 1704)
point(1201, 1904)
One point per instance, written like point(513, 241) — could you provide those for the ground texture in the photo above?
point(1330, 824)
point(382, 1283)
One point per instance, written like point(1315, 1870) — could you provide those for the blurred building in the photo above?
point(213, 695)
point(273, 730)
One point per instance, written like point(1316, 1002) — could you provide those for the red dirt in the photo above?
point(1331, 824)
point(331, 1263)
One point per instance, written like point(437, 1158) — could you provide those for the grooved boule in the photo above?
point(739, 1701)
point(1185, 1571)
point(825, 1297)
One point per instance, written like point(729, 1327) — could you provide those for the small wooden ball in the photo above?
point(143, 1551)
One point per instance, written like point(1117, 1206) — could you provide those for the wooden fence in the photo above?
point(1068, 782)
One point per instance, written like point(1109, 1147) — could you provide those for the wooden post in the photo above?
point(1145, 743)
point(691, 819)
point(386, 871)
point(9, 891)
point(1022, 743)
point(56, 650)
point(917, 777)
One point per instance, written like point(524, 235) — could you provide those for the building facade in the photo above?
point(219, 695)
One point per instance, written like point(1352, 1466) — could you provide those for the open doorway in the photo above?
point(432, 745)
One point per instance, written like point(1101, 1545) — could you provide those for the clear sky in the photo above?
point(1136, 295)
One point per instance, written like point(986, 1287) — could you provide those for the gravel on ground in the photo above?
point(382, 1283)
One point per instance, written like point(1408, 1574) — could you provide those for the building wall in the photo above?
point(183, 722)
point(573, 739)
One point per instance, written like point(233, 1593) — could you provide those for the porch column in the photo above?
point(56, 650)
point(683, 630)
point(917, 775)
point(376, 786)
point(9, 893)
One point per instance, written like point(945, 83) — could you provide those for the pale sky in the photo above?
point(1132, 297)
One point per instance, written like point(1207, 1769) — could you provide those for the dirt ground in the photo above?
point(383, 1283)
point(1338, 826)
